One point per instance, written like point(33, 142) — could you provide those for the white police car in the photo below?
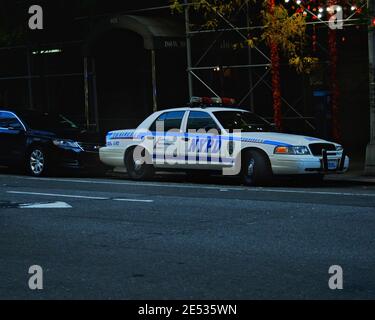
point(209, 136)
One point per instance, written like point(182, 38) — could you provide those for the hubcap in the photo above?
point(137, 165)
point(37, 162)
point(250, 167)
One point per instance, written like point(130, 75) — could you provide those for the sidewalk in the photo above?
point(355, 174)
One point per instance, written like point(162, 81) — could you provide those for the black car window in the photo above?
point(9, 120)
point(241, 120)
point(171, 121)
point(199, 120)
point(46, 121)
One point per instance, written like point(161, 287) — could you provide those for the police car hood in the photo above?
point(283, 138)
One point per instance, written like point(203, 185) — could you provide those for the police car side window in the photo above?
point(201, 121)
point(8, 120)
point(170, 121)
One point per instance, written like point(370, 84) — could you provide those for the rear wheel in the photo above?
point(256, 168)
point(37, 162)
point(139, 167)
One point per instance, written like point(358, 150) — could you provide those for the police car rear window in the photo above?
point(169, 121)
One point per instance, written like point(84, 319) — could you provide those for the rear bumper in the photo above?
point(112, 156)
point(289, 165)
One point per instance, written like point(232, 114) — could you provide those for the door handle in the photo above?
point(185, 139)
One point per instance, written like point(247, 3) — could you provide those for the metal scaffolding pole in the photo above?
point(188, 49)
point(250, 59)
point(86, 91)
point(29, 80)
point(154, 81)
point(370, 152)
point(95, 95)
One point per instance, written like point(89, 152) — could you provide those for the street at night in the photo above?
point(177, 239)
point(188, 158)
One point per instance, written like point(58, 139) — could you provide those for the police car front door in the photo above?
point(203, 141)
point(12, 138)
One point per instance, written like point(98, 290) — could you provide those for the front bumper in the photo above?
point(328, 163)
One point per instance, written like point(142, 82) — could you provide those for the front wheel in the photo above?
point(139, 167)
point(256, 168)
point(36, 162)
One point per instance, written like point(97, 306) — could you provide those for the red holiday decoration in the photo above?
point(276, 87)
point(332, 41)
point(314, 40)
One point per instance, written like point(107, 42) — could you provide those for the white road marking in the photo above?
point(58, 195)
point(329, 193)
point(140, 184)
point(134, 200)
point(182, 186)
point(52, 205)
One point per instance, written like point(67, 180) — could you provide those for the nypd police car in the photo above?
point(210, 136)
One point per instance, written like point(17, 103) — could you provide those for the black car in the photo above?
point(41, 142)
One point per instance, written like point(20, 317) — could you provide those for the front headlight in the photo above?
point(294, 150)
point(66, 144)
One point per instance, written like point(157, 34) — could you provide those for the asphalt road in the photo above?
point(111, 238)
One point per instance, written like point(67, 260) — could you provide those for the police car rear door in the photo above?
point(168, 131)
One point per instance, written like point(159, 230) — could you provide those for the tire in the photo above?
point(142, 170)
point(37, 162)
point(256, 169)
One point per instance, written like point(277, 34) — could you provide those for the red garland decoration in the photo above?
point(332, 41)
point(276, 87)
point(314, 40)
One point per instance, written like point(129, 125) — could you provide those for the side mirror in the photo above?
point(215, 131)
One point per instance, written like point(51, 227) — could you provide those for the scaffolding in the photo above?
point(193, 67)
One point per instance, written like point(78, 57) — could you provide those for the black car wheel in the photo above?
point(256, 169)
point(139, 169)
point(37, 162)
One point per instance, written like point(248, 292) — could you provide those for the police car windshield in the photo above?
point(46, 121)
point(242, 120)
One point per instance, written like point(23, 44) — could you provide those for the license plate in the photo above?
point(332, 164)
